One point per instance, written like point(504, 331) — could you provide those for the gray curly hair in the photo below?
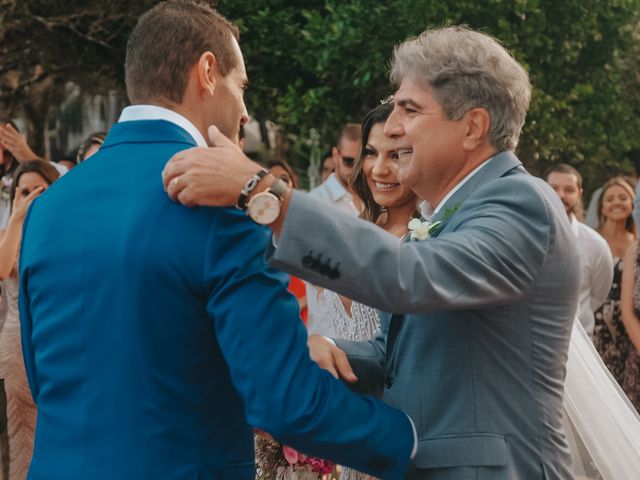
point(468, 69)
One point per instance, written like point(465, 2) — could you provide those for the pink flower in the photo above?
point(290, 455)
point(319, 465)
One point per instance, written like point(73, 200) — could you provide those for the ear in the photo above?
point(335, 153)
point(477, 123)
point(207, 72)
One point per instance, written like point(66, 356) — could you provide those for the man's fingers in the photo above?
point(185, 197)
point(36, 191)
point(343, 366)
point(217, 139)
point(175, 167)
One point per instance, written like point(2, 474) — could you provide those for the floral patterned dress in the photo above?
point(611, 339)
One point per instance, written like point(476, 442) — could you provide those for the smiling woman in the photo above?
point(610, 336)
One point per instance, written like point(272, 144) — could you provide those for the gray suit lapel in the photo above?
point(493, 169)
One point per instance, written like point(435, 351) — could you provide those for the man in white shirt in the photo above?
point(335, 190)
point(597, 263)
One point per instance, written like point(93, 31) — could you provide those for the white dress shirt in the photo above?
point(332, 191)
point(154, 112)
point(425, 209)
point(597, 272)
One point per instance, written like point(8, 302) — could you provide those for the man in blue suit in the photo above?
point(155, 337)
point(476, 351)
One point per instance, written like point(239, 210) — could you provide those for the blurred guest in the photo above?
point(328, 165)
point(297, 287)
point(597, 263)
point(90, 145)
point(592, 214)
point(336, 191)
point(67, 162)
point(30, 180)
point(610, 337)
point(14, 149)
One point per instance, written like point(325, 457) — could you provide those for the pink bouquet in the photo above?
point(280, 462)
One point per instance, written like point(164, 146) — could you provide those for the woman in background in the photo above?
point(281, 169)
point(389, 205)
point(30, 180)
point(610, 337)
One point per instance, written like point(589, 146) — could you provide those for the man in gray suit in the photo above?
point(476, 352)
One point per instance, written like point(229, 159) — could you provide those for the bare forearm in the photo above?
point(9, 247)
point(632, 326)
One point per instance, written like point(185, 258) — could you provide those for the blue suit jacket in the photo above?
point(155, 337)
point(478, 358)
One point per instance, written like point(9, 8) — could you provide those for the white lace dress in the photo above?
point(362, 324)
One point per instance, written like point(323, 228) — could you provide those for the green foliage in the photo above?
point(320, 63)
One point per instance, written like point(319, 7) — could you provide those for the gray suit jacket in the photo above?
point(478, 358)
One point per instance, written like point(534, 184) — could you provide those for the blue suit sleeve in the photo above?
point(264, 344)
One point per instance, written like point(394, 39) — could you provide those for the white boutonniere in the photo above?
point(422, 229)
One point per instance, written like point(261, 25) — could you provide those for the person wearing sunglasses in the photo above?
point(337, 191)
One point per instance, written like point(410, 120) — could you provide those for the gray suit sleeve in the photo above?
point(489, 253)
point(367, 360)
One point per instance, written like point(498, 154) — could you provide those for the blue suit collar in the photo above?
point(147, 131)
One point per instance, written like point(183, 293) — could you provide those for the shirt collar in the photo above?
point(575, 225)
point(335, 188)
point(425, 208)
point(154, 112)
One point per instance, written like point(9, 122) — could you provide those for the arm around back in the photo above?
point(490, 254)
point(264, 344)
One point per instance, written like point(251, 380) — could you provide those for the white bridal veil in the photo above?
point(604, 430)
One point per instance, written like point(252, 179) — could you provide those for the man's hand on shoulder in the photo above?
point(329, 357)
point(208, 176)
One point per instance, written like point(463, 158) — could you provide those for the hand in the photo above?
point(16, 143)
point(21, 204)
point(331, 358)
point(208, 176)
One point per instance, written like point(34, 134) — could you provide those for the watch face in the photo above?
point(264, 208)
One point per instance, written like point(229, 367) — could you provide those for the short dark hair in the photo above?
point(351, 131)
point(43, 168)
point(564, 168)
point(96, 138)
point(270, 162)
point(167, 41)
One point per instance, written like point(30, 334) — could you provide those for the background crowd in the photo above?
point(356, 178)
point(598, 80)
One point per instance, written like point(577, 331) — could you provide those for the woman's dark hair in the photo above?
point(358, 182)
point(47, 171)
point(270, 162)
point(96, 138)
point(630, 224)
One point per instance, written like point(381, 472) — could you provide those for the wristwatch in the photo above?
point(252, 183)
point(264, 207)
